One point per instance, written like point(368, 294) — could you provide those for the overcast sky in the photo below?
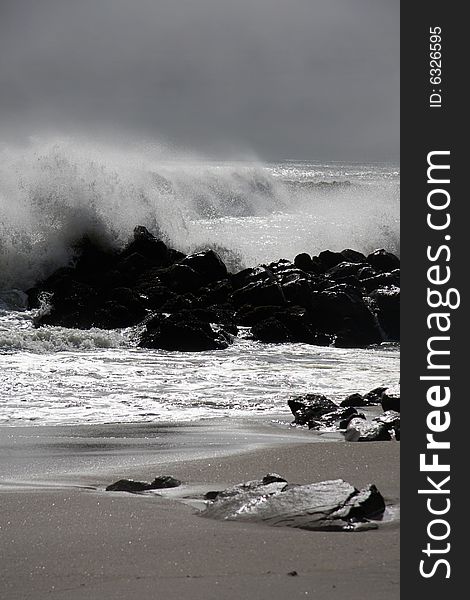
point(312, 79)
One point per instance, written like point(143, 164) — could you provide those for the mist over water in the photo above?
point(54, 191)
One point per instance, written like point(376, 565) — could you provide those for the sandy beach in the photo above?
point(62, 536)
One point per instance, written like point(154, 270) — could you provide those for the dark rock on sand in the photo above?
point(326, 505)
point(339, 416)
point(360, 430)
point(317, 411)
point(129, 485)
point(310, 407)
point(164, 482)
point(248, 486)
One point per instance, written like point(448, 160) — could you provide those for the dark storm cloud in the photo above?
point(296, 78)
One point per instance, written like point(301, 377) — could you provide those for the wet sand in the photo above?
point(63, 537)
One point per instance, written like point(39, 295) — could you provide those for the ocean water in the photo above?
point(53, 192)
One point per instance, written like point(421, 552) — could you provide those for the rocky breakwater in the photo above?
point(191, 302)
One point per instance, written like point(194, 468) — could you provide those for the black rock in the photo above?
point(360, 430)
point(345, 422)
point(342, 311)
point(252, 275)
point(354, 400)
point(113, 315)
point(391, 419)
point(353, 256)
point(330, 259)
point(387, 302)
point(344, 269)
point(383, 261)
point(178, 303)
point(340, 415)
point(72, 303)
point(375, 395)
point(147, 245)
point(207, 264)
point(298, 289)
point(366, 272)
point(289, 324)
point(305, 263)
point(163, 482)
point(183, 332)
point(131, 267)
point(390, 399)
point(156, 294)
point(128, 485)
point(381, 280)
point(181, 278)
point(271, 331)
point(249, 315)
point(217, 292)
point(310, 407)
point(259, 293)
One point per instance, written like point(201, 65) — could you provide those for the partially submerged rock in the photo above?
point(186, 332)
point(326, 505)
point(129, 485)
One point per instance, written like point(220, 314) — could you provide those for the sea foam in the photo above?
point(54, 191)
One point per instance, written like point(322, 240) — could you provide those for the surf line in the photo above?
point(441, 299)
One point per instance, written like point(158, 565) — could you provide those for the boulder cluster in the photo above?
point(318, 412)
point(191, 302)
